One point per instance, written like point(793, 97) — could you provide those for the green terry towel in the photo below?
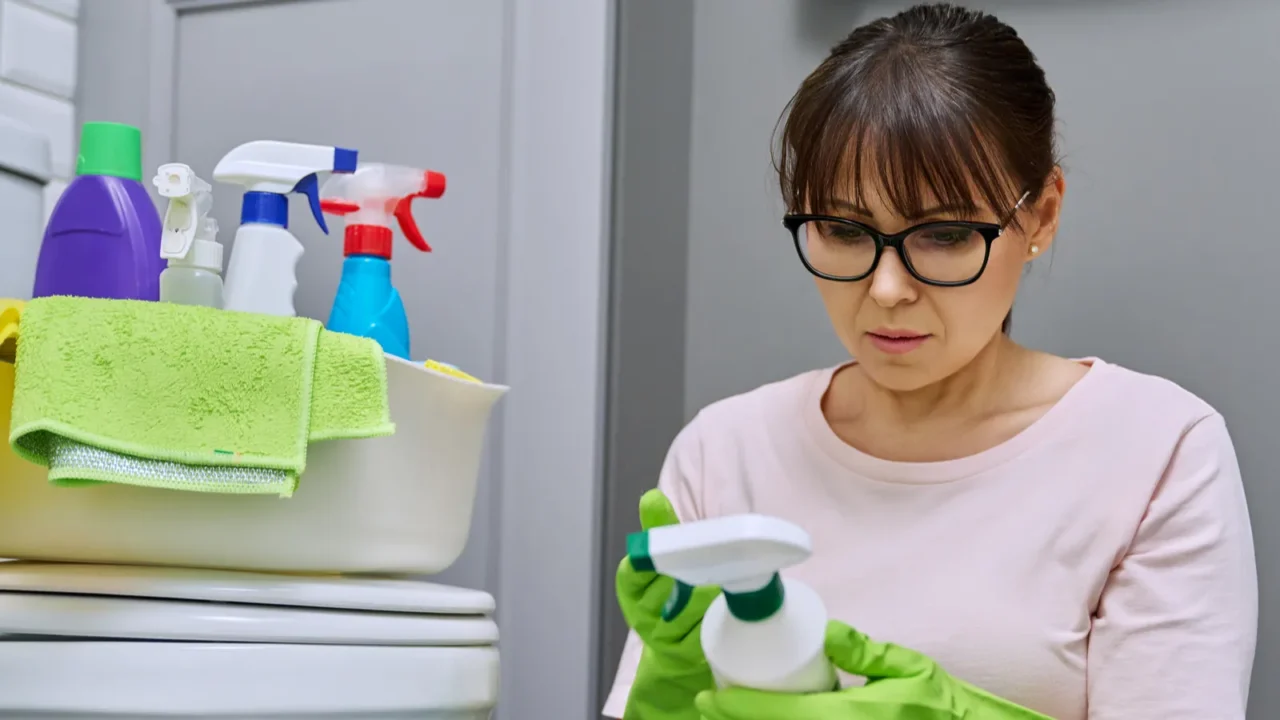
point(187, 398)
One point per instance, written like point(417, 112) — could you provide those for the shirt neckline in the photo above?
point(942, 471)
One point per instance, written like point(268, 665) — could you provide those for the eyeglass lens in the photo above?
point(942, 253)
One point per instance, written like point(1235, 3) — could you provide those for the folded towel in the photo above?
point(10, 314)
point(187, 398)
point(351, 374)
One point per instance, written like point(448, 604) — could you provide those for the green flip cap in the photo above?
point(112, 149)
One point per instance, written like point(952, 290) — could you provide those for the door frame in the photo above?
point(554, 258)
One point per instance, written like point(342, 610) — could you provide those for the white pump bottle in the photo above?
point(189, 240)
point(763, 632)
point(262, 274)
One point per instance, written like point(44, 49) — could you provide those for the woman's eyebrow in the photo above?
point(852, 208)
point(935, 211)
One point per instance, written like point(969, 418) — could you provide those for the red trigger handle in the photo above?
point(433, 187)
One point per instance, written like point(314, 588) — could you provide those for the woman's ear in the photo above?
point(1046, 213)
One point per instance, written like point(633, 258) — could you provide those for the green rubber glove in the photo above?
point(901, 685)
point(668, 618)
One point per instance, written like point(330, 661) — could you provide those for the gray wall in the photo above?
point(1164, 260)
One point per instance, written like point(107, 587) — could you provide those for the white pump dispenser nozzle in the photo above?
point(763, 632)
point(190, 236)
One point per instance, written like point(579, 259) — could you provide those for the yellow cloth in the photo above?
point(10, 314)
point(11, 466)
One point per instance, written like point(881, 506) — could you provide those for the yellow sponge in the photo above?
point(10, 314)
point(450, 370)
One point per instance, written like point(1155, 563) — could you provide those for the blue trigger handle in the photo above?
point(310, 186)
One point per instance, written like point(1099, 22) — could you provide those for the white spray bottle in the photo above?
point(763, 632)
point(262, 274)
point(189, 240)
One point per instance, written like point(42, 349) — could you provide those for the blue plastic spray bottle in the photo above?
point(367, 304)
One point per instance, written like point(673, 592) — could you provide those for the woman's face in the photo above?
point(907, 335)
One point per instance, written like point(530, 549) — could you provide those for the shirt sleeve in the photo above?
point(1176, 625)
point(681, 481)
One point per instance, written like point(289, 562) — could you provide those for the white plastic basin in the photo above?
point(399, 504)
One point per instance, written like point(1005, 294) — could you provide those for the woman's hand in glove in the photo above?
point(668, 618)
point(901, 685)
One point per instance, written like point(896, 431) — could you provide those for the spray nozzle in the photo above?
point(743, 554)
point(269, 170)
point(186, 220)
point(372, 196)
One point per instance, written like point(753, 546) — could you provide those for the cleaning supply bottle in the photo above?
point(367, 304)
point(103, 237)
point(189, 240)
point(262, 274)
point(763, 632)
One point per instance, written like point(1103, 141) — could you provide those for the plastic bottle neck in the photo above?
point(264, 208)
point(757, 605)
point(367, 241)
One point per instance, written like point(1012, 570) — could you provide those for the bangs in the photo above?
point(897, 131)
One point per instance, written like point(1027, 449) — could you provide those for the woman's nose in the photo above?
point(891, 283)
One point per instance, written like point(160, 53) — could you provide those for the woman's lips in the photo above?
point(896, 342)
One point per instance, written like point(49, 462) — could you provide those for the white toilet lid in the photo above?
point(333, 591)
point(125, 602)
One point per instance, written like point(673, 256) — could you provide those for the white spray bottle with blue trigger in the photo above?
point(262, 273)
point(763, 632)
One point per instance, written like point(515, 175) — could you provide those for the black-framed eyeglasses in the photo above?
point(944, 254)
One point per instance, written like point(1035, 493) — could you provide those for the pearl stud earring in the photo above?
point(1035, 249)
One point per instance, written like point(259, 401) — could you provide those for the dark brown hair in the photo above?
point(937, 98)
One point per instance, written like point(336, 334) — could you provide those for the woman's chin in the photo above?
point(897, 375)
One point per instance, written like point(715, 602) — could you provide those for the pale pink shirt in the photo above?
point(1099, 565)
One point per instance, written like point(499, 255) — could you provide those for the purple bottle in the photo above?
point(103, 239)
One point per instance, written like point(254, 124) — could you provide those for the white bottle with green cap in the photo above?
point(764, 632)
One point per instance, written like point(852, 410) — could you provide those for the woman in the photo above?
point(1049, 537)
